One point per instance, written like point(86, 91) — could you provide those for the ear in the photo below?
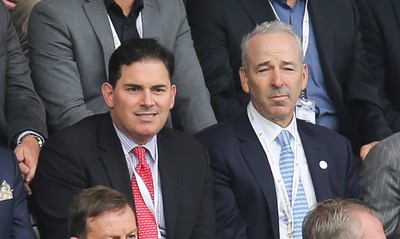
point(173, 94)
point(304, 76)
point(244, 80)
point(107, 91)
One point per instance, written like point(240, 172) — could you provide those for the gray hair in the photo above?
point(336, 219)
point(267, 28)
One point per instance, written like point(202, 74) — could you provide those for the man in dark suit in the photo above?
point(250, 198)
point(14, 215)
point(22, 116)
point(101, 150)
point(380, 28)
point(346, 99)
point(62, 57)
point(379, 176)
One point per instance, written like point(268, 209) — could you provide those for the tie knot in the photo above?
point(140, 153)
point(283, 139)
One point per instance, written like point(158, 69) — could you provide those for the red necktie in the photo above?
point(147, 227)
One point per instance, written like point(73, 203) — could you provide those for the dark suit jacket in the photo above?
point(14, 215)
point(379, 176)
point(89, 153)
point(380, 27)
point(20, 107)
point(217, 30)
point(244, 191)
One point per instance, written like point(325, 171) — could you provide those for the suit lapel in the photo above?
point(169, 174)
point(257, 161)
point(314, 155)
point(150, 21)
point(97, 15)
point(113, 157)
point(258, 10)
point(396, 9)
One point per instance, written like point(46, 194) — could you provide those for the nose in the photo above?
point(276, 79)
point(147, 99)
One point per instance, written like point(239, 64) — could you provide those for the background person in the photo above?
point(343, 219)
point(101, 212)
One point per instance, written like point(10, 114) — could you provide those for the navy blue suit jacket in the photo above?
point(244, 191)
point(14, 215)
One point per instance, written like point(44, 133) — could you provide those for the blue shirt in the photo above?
point(316, 89)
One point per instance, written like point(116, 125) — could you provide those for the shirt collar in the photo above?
point(283, 2)
point(271, 129)
point(128, 144)
point(137, 6)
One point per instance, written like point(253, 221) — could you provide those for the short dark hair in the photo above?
point(92, 203)
point(138, 50)
point(335, 219)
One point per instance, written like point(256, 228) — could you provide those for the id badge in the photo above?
point(305, 110)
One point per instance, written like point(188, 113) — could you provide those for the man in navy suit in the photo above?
point(249, 197)
point(100, 150)
point(14, 215)
point(345, 95)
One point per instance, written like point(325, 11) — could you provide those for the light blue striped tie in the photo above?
point(286, 165)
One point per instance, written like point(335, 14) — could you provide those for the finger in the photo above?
point(27, 188)
point(9, 5)
point(19, 154)
point(24, 169)
point(30, 174)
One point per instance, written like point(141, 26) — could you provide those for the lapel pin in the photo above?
point(5, 191)
point(323, 164)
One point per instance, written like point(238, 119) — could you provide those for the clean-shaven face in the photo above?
point(276, 76)
point(141, 100)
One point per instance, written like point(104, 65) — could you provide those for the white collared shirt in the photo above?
point(152, 160)
point(271, 131)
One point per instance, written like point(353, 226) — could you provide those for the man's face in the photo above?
point(141, 100)
point(120, 224)
point(275, 76)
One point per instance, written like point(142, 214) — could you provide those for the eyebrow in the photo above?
point(284, 63)
point(266, 63)
point(141, 86)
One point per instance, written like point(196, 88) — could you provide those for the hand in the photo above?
point(10, 4)
point(366, 148)
point(27, 154)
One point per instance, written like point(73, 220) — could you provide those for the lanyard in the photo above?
point(274, 164)
point(116, 40)
point(144, 191)
point(305, 30)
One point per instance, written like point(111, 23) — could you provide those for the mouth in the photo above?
point(279, 97)
point(146, 115)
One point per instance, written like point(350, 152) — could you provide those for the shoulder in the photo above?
point(386, 152)
point(84, 131)
point(226, 128)
point(176, 138)
point(319, 132)
point(226, 135)
point(63, 9)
